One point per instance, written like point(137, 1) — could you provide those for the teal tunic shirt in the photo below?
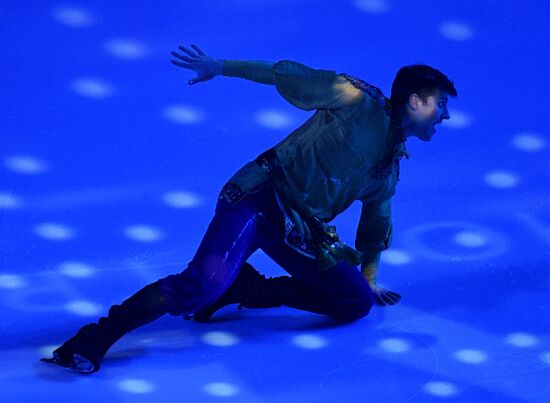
point(331, 160)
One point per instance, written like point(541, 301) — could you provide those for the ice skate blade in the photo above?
point(79, 364)
point(55, 361)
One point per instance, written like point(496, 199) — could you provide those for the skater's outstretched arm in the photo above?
point(208, 67)
point(302, 86)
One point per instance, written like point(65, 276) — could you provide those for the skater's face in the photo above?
point(422, 115)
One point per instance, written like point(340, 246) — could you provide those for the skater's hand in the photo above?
point(205, 66)
point(384, 297)
point(381, 295)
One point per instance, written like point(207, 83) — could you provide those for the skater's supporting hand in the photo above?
point(384, 297)
point(205, 66)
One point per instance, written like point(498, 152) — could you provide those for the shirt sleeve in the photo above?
point(374, 233)
point(311, 89)
point(258, 71)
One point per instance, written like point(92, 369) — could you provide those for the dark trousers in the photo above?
point(238, 230)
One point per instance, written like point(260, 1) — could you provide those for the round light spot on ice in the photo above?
point(372, 6)
point(181, 199)
point(521, 340)
point(441, 389)
point(9, 201)
point(273, 119)
point(395, 257)
point(126, 49)
point(501, 179)
point(394, 345)
point(309, 341)
point(221, 389)
point(73, 17)
point(496, 244)
point(458, 120)
point(183, 114)
point(528, 142)
point(83, 308)
point(12, 281)
point(545, 357)
point(220, 339)
point(76, 269)
point(23, 164)
point(471, 356)
point(92, 88)
point(470, 239)
point(456, 31)
point(143, 233)
point(137, 386)
point(54, 232)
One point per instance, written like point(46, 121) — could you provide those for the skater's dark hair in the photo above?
point(418, 79)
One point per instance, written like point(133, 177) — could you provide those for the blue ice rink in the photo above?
point(110, 165)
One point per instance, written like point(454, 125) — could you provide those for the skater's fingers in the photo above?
point(394, 295)
point(182, 57)
point(394, 300)
point(387, 299)
point(378, 300)
point(190, 53)
point(200, 52)
point(180, 64)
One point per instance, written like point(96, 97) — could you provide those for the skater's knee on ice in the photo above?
point(354, 309)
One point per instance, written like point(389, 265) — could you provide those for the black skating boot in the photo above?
point(250, 290)
point(84, 352)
